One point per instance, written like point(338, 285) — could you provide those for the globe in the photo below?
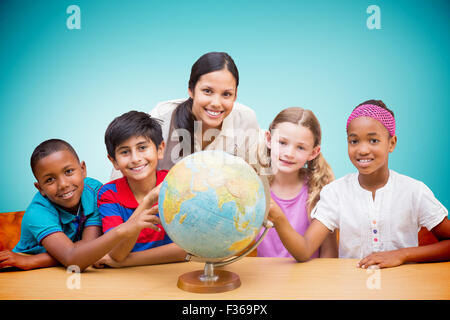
point(212, 204)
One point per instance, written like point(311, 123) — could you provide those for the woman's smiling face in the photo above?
point(213, 98)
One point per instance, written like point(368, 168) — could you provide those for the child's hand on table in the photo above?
point(385, 259)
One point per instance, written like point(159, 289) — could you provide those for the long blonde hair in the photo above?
point(317, 172)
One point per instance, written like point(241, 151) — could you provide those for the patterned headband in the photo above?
point(378, 113)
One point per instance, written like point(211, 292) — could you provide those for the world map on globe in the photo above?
point(212, 204)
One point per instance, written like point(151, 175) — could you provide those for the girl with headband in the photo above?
point(378, 211)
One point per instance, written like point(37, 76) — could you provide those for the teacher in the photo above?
point(210, 119)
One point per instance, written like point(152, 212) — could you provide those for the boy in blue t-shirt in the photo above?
point(135, 144)
point(62, 223)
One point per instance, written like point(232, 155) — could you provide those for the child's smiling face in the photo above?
point(369, 145)
point(137, 157)
point(291, 146)
point(60, 178)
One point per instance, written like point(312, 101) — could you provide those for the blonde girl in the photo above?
point(299, 171)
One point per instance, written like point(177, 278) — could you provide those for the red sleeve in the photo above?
point(160, 176)
point(109, 208)
point(110, 222)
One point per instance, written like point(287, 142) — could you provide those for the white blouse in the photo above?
point(390, 221)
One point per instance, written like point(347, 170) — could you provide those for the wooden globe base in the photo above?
point(226, 281)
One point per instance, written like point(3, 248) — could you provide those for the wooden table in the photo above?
point(262, 279)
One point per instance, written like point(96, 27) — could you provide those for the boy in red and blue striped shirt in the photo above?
point(135, 144)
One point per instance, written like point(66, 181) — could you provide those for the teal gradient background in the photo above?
point(69, 84)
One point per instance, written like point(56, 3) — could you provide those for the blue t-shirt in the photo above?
point(44, 217)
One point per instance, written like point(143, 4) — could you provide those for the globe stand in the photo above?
point(208, 274)
point(215, 281)
point(209, 280)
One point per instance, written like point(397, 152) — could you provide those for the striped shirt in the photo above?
point(116, 203)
